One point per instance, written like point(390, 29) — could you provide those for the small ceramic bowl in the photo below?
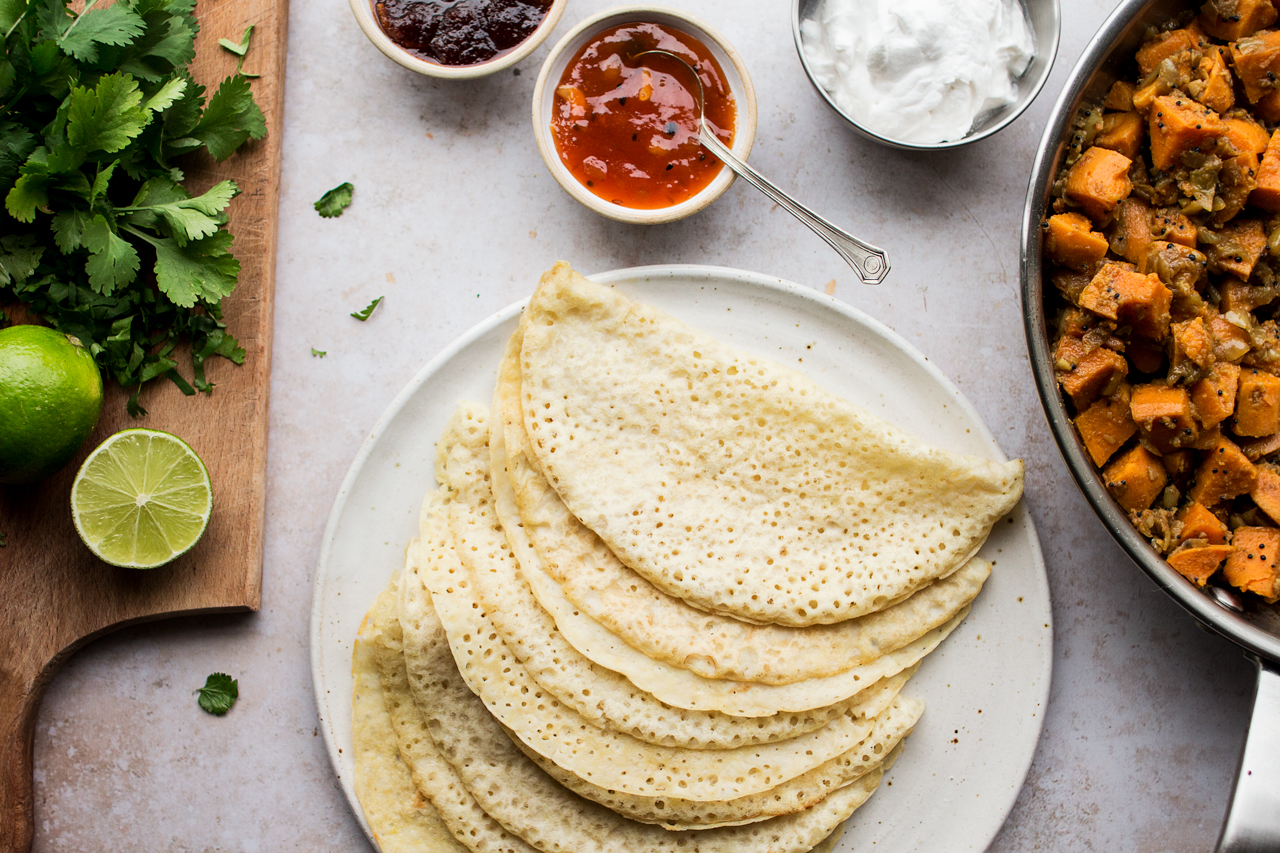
point(1045, 18)
point(368, 21)
point(735, 72)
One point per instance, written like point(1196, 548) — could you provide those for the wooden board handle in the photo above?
point(20, 694)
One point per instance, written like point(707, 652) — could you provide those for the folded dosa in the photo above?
point(733, 483)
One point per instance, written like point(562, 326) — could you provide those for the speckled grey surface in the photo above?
point(454, 217)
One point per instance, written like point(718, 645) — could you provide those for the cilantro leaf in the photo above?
point(106, 117)
point(367, 312)
point(68, 229)
point(219, 693)
point(202, 270)
point(335, 201)
point(18, 258)
point(194, 218)
point(230, 118)
point(115, 25)
point(11, 11)
point(113, 262)
point(30, 193)
point(318, 353)
point(16, 145)
point(166, 95)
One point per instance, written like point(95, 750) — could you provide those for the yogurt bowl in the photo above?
point(1045, 22)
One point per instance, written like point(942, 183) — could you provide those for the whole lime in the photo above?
point(50, 398)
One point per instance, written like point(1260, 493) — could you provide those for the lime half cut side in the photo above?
point(141, 499)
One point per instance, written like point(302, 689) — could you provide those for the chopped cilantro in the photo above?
point(219, 693)
point(100, 238)
point(335, 201)
point(3, 543)
point(368, 310)
point(318, 353)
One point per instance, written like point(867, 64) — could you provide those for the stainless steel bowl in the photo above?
point(1046, 22)
point(1253, 819)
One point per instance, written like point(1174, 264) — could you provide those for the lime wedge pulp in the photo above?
point(141, 499)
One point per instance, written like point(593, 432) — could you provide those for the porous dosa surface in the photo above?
point(512, 790)
point(432, 775)
point(666, 628)
point(673, 685)
point(799, 793)
point(601, 695)
point(734, 483)
point(401, 818)
point(609, 759)
point(686, 689)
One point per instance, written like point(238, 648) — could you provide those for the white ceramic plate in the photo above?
point(985, 688)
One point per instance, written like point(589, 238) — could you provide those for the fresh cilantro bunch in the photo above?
point(97, 234)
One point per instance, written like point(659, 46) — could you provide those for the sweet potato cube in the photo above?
point(1230, 342)
point(1261, 447)
point(1267, 194)
point(1178, 462)
point(1214, 396)
point(1097, 182)
point(1235, 295)
point(1192, 343)
point(1122, 133)
point(1119, 97)
point(1218, 91)
point(1129, 298)
point(1199, 563)
point(1257, 404)
point(1130, 231)
point(1173, 226)
point(1105, 426)
point(1135, 478)
point(1240, 245)
point(1179, 124)
point(1199, 523)
point(1266, 492)
point(1257, 62)
point(1163, 46)
point(1071, 241)
point(1246, 135)
point(1268, 108)
point(1254, 564)
point(1092, 375)
point(1223, 473)
point(1231, 19)
point(1164, 415)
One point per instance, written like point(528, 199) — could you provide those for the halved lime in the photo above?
point(141, 499)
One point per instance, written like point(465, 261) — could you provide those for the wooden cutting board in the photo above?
point(56, 595)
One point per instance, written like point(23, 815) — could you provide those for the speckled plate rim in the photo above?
point(986, 688)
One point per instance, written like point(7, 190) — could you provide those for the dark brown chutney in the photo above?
point(459, 32)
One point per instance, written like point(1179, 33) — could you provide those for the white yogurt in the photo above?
point(918, 70)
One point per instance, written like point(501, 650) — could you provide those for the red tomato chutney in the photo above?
point(627, 128)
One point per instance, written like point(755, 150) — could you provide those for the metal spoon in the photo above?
point(870, 263)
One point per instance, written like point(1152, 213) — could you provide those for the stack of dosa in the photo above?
point(664, 598)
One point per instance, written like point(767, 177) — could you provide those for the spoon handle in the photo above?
point(870, 263)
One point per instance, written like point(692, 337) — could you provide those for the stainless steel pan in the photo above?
point(1253, 818)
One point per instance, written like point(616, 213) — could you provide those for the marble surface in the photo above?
point(454, 217)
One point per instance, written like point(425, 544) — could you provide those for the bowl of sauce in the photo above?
point(457, 39)
point(618, 130)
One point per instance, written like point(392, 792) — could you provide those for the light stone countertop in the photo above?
point(454, 217)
